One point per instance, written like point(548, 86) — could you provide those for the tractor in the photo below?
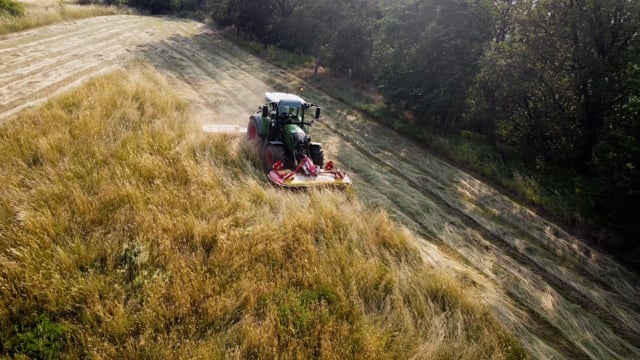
point(281, 133)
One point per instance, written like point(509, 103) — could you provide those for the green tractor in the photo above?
point(289, 157)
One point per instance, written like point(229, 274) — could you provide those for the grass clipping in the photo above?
point(126, 233)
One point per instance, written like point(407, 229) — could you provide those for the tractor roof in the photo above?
point(276, 97)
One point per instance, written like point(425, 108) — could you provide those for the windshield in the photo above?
point(291, 110)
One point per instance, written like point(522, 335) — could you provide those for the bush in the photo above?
point(157, 6)
point(11, 7)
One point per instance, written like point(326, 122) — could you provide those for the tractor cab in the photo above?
point(285, 108)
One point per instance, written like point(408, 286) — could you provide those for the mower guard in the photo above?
point(308, 175)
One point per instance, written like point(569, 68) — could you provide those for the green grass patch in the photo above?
point(37, 339)
point(548, 188)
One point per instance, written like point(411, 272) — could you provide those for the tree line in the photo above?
point(558, 80)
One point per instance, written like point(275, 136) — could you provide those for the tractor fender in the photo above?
point(260, 124)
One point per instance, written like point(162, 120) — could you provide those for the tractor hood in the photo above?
point(294, 135)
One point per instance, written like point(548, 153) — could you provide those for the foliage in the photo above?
point(339, 34)
point(43, 339)
point(351, 49)
point(617, 162)
point(11, 7)
point(161, 6)
point(427, 55)
point(557, 84)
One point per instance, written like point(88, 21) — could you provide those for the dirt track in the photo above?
point(561, 298)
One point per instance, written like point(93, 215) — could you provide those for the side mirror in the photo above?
point(317, 115)
point(265, 111)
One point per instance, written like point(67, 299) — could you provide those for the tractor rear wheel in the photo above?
point(272, 154)
point(252, 129)
point(317, 155)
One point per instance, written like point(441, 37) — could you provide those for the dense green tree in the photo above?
point(317, 24)
point(427, 55)
point(560, 83)
point(482, 100)
point(351, 48)
point(616, 162)
point(602, 49)
point(339, 34)
point(532, 75)
point(560, 72)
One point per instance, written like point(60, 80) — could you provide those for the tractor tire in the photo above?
point(272, 154)
point(317, 155)
point(252, 129)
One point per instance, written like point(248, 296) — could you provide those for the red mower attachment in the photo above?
point(306, 174)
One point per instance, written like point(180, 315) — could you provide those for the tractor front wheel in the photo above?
point(272, 154)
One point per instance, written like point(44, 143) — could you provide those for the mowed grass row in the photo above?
point(125, 232)
point(47, 12)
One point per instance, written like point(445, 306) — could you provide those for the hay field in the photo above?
point(127, 232)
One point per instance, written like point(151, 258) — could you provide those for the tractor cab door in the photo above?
point(272, 125)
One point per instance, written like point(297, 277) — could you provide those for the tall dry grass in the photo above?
point(126, 233)
point(47, 12)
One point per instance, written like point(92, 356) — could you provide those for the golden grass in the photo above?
point(126, 233)
point(41, 13)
